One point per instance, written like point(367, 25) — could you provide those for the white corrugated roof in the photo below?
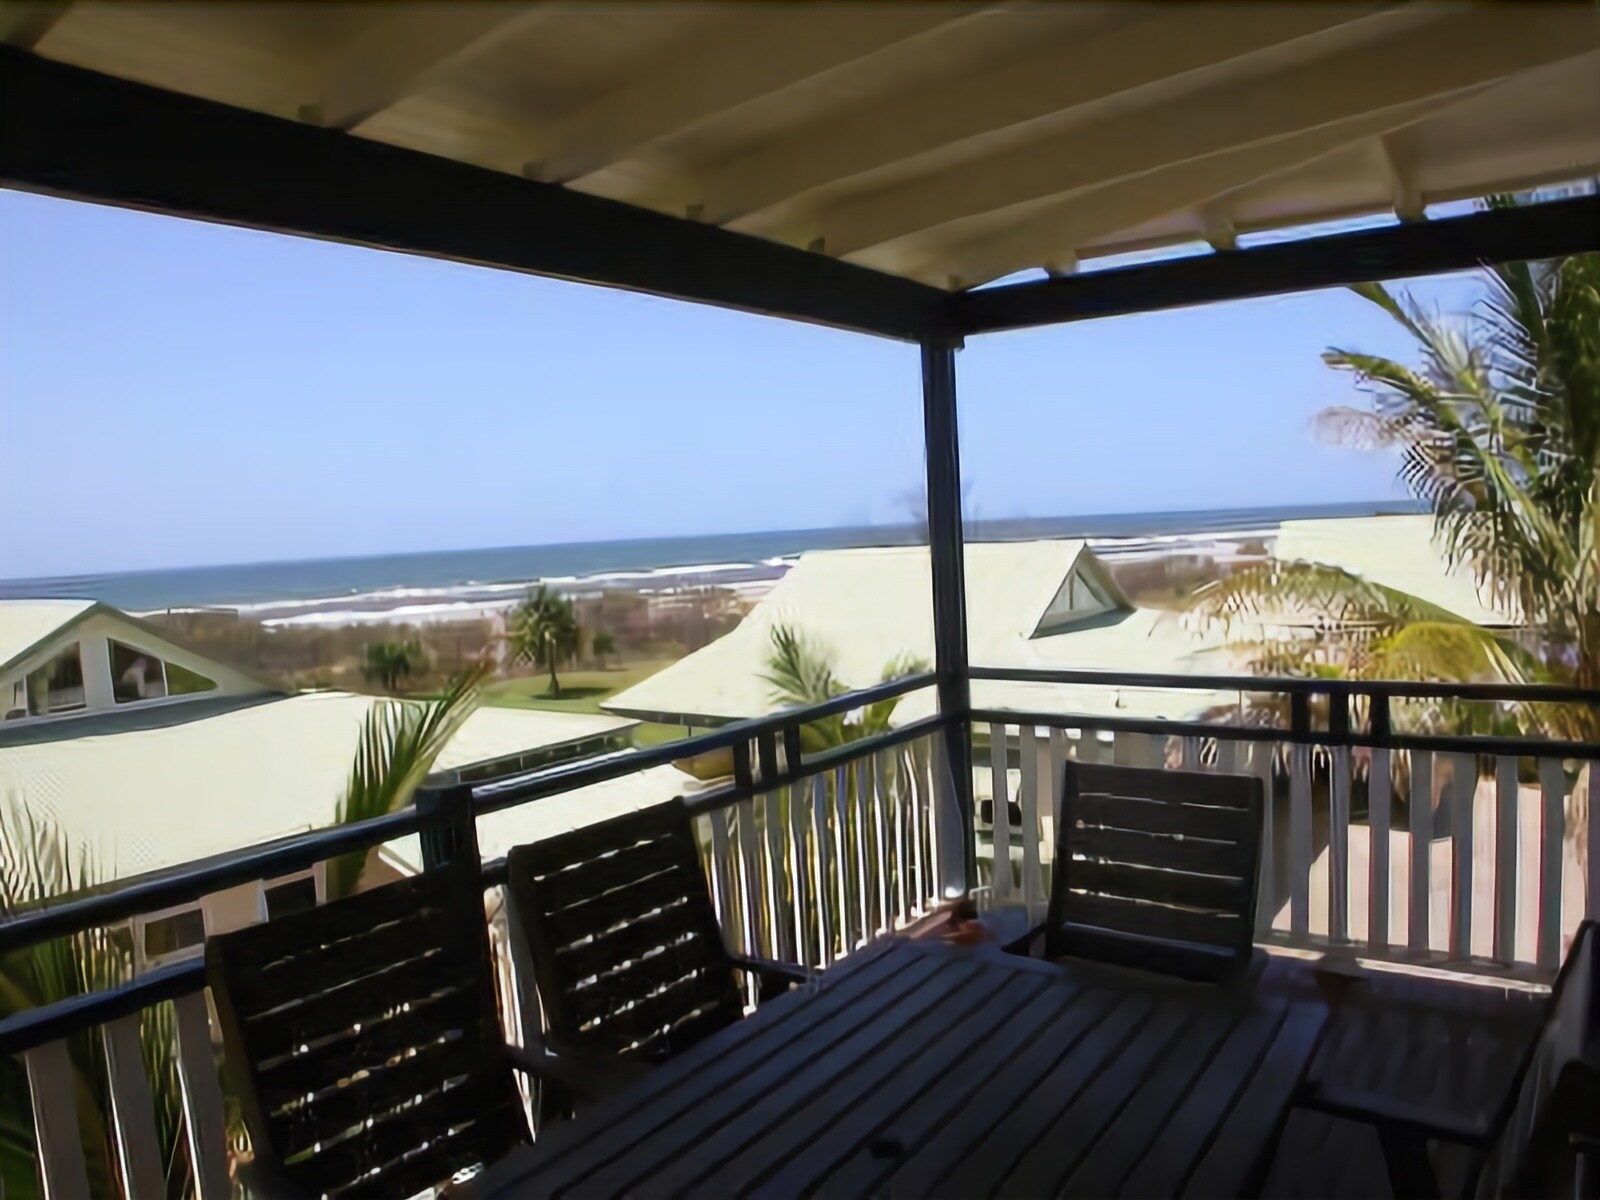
point(1398, 552)
point(146, 798)
point(499, 831)
point(26, 623)
point(492, 733)
point(949, 143)
point(869, 607)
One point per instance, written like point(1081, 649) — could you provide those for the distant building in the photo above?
point(146, 755)
point(63, 658)
point(1045, 604)
point(1398, 552)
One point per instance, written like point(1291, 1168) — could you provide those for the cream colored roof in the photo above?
point(492, 733)
point(500, 831)
point(146, 798)
point(26, 623)
point(951, 143)
point(1395, 551)
point(869, 607)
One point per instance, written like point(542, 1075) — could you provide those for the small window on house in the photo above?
point(135, 674)
point(57, 686)
point(297, 895)
point(1078, 599)
point(166, 936)
point(183, 682)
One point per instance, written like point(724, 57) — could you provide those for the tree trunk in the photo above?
point(555, 683)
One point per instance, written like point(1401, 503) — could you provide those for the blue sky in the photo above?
point(175, 393)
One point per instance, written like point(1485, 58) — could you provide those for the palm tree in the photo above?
point(387, 663)
point(800, 674)
point(544, 632)
point(1498, 430)
point(399, 743)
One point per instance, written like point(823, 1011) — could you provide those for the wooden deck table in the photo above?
point(920, 1069)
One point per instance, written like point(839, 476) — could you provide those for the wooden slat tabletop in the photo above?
point(921, 1069)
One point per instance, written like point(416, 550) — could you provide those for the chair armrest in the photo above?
point(586, 1077)
point(1027, 945)
point(773, 978)
point(1394, 1117)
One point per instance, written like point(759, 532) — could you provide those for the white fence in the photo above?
point(1492, 871)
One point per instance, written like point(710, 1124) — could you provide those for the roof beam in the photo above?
point(69, 132)
point(1456, 49)
point(1077, 221)
point(24, 25)
point(1129, 55)
point(1532, 231)
point(750, 53)
point(414, 43)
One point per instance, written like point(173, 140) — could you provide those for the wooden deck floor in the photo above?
point(1447, 1044)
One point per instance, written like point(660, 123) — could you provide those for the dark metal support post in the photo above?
point(945, 545)
point(451, 833)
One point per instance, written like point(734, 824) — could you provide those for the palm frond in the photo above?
point(799, 672)
point(1499, 432)
point(876, 718)
point(1455, 650)
point(1307, 596)
point(400, 741)
point(37, 864)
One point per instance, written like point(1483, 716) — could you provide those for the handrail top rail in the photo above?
point(118, 900)
point(31, 1027)
point(564, 777)
point(1436, 742)
point(1296, 685)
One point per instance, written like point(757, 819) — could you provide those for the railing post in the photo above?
point(942, 446)
point(451, 831)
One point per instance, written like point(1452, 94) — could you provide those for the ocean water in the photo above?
point(330, 588)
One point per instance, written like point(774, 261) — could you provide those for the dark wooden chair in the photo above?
point(364, 1042)
point(626, 947)
point(1156, 870)
point(1537, 1135)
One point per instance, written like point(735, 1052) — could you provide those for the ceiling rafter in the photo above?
point(1080, 219)
point(410, 46)
point(905, 125)
point(1408, 202)
point(757, 51)
point(24, 25)
point(1458, 49)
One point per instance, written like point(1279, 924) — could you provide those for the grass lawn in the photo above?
point(582, 692)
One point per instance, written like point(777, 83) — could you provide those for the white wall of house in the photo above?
point(173, 934)
point(93, 636)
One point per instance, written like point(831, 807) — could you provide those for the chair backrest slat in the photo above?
point(365, 1031)
point(627, 951)
point(1156, 867)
